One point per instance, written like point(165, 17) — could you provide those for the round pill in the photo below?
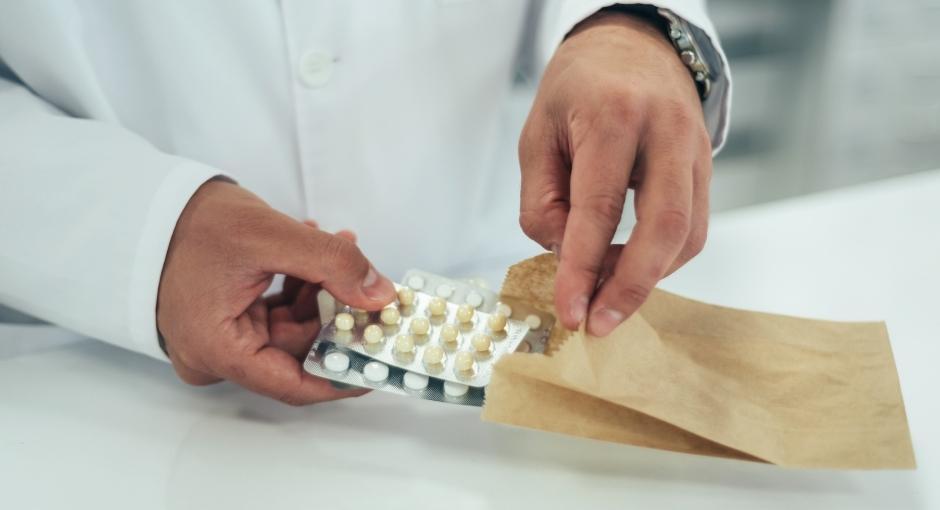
point(336, 361)
point(445, 290)
point(415, 381)
point(404, 344)
point(390, 315)
point(504, 309)
point(373, 334)
point(433, 355)
point(497, 322)
point(463, 361)
point(479, 281)
point(534, 321)
point(481, 342)
point(406, 296)
point(452, 389)
point(416, 282)
point(375, 371)
point(437, 306)
point(344, 321)
point(420, 326)
point(464, 313)
point(474, 299)
point(449, 333)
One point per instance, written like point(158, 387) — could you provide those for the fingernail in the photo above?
point(604, 321)
point(579, 308)
point(371, 285)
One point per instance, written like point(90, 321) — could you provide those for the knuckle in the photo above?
point(633, 293)
point(581, 268)
point(673, 223)
point(619, 105)
point(529, 222)
point(696, 241)
point(541, 218)
point(604, 203)
point(680, 115)
point(524, 148)
point(341, 255)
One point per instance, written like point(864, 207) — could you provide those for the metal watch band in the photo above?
point(683, 39)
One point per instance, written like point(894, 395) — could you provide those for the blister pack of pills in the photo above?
point(345, 367)
point(438, 341)
point(473, 292)
point(427, 334)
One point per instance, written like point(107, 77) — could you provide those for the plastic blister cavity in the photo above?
point(363, 372)
point(470, 292)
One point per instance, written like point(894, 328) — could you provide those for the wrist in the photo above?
point(625, 19)
point(638, 40)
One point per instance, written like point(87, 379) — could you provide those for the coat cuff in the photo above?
point(165, 208)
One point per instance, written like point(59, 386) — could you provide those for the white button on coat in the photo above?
point(315, 68)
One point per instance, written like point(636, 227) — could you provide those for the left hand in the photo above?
point(616, 109)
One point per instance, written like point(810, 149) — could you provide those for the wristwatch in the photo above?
point(684, 38)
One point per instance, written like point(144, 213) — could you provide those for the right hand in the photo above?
point(227, 247)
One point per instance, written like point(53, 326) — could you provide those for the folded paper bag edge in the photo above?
point(669, 437)
point(541, 269)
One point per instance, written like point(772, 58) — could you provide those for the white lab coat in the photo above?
point(383, 117)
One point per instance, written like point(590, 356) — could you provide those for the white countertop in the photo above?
point(85, 425)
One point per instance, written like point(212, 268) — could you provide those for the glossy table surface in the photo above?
point(86, 425)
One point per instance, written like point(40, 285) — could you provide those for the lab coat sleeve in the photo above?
point(560, 16)
point(87, 210)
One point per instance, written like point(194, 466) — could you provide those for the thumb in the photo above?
point(333, 261)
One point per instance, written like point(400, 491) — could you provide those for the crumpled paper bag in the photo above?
point(691, 377)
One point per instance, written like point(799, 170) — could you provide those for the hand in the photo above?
point(616, 109)
point(226, 249)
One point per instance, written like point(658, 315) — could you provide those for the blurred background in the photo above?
point(827, 94)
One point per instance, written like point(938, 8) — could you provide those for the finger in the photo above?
point(277, 374)
point(330, 260)
point(600, 174)
point(664, 203)
point(698, 233)
point(304, 307)
point(543, 205)
point(289, 335)
point(312, 223)
point(348, 234)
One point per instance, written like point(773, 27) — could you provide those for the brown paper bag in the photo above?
point(686, 376)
